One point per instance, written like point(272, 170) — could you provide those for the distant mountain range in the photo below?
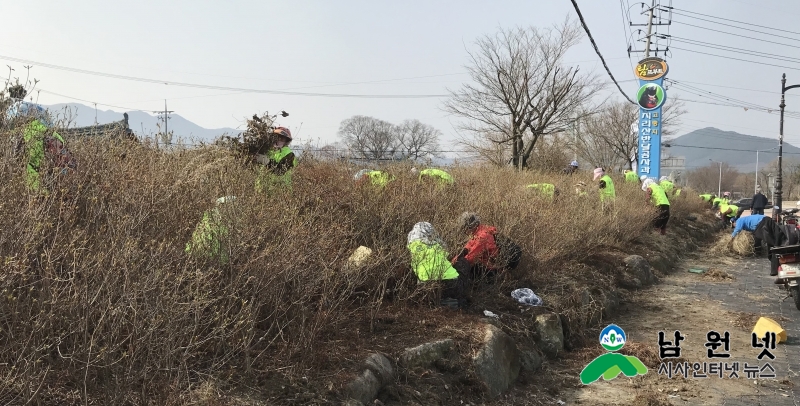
point(143, 124)
point(738, 150)
point(698, 147)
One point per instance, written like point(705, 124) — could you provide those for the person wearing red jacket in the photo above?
point(481, 251)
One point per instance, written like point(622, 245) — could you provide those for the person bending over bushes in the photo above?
point(486, 252)
point(429, 262)
point(659, 199)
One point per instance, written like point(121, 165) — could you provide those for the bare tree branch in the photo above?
point(521, 90)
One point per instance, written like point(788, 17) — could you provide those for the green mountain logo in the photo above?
point(611, 364)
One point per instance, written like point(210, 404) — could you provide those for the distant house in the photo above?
point(673, 165)
point(115, 129)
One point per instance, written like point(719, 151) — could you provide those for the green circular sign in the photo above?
point(651, 96)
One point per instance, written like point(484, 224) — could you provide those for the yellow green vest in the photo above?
point(658, 197)
point(608, 193)
point(631, 177)
point(206, 238)
point(379, 178)
point(33, 136)
point(443, 176)
point(547, 189)
point(667, 186)
point(430, 262)
point(268, 181)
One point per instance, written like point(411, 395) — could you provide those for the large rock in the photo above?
point(551, 334)
point(497, 364)
point(530, 360)
point(640, 269)
point(378, 373)
point(426, 354)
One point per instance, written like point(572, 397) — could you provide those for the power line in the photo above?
point(730, 48)
point(626, 31)
point(89, 101)
point(580, 16)
point(736, 59)
point(224, 88)
point(741, 28)
point(737, 35)
point(735, 21)
point(725, 149)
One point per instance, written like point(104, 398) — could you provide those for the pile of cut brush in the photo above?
point(741, 245)
point(257, 139)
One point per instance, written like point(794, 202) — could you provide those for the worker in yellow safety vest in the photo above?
point(606, 185)
point(377, 178)
point(547, 190)
point(630, 176)
point(657, 196)
point(441, 176)
point(277, 164)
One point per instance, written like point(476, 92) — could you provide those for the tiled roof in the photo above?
point(117, 128)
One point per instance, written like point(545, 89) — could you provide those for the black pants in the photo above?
point(662, 219)
point(457, 288)
point(757, 211)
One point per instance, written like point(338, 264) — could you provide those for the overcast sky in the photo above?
point(411, 47)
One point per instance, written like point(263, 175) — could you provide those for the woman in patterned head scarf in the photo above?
point(429, 262)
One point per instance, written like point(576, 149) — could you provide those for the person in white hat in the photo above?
point(572, 168)
point(606, 185)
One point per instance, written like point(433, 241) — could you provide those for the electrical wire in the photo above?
point(89, 101)
point(746, 51)
point(580, 16)
point(736, 59)
point(737, 35)
point(625, 33)
point(224, 88)
point(735, 21)
point(741, 28)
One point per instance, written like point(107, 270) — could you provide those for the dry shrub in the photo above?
point(99, 301)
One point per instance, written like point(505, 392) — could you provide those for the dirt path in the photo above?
point(696, 304)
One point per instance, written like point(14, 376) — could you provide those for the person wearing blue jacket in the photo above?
point(751, 223)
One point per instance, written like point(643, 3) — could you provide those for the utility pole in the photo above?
point(649, 29)
point(650, 24)
point(165, 118)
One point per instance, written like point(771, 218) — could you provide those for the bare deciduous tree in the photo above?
point(522, 90)
point(369, 137)
point(608, 138)
point(418, 140)
point(707, 178)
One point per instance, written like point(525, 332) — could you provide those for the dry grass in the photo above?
point(101, 305)
point(718, 275)
point(744, 320)
point(742, 245)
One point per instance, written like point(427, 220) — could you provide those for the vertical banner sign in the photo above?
point(650, 97)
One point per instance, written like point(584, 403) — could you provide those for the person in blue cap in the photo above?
point(44, 148)
point(572, 168)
